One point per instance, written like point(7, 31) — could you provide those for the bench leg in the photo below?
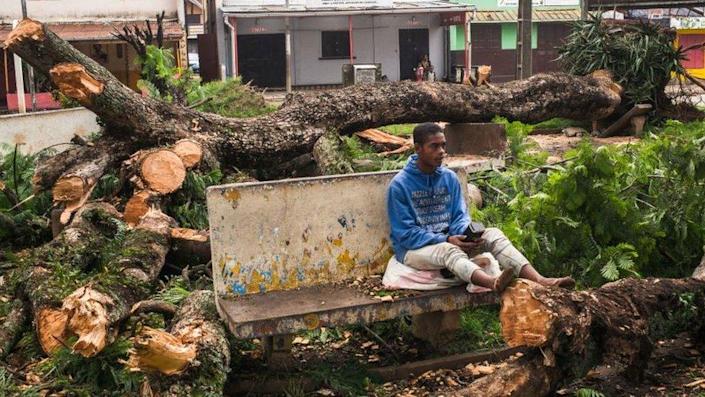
point(637, 124)
point(437, 328)
point(277, 351)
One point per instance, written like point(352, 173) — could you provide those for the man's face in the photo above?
point(433, 151)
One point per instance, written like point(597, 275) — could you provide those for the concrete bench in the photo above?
point(286, 254)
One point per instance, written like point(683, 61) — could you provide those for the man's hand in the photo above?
point(466, 246)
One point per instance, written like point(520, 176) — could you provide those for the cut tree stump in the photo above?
point(576, 330)
point(193, 358)
point(189, 246)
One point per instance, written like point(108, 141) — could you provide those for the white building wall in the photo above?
point(376, 40)
point(89, 10)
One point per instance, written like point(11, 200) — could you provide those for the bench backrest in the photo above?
point(280, 235)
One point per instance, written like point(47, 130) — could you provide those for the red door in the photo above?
point(695, 58)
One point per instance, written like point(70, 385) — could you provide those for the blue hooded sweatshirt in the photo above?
point(424, 209)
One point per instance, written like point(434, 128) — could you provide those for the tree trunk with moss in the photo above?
point(51, 270)
point(13, 323)
point(134, 122)
point(94, 310)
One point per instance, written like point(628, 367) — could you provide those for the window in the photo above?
point(335, 44)
point(484, 36)
point(509, 36)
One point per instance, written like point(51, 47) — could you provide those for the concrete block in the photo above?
point(484, 139)
point(277, 351)
point(437, 328)
point(38, 130)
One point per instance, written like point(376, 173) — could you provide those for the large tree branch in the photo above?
point(292, 130)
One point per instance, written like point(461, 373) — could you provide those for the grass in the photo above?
point(557, 123)
point(404, 130)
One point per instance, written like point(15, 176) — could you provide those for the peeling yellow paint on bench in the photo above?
point(284, 235)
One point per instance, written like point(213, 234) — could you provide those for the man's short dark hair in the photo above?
point(424, 130)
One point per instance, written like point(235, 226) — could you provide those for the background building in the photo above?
point(89, 26)
point(326, 34)
point(493, 35)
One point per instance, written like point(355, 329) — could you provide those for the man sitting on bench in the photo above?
point(431, 230)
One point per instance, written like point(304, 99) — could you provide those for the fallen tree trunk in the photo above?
point(75, 250)
point(577, 330)
point(268, 140)
point(94, 309)
point(193, 358)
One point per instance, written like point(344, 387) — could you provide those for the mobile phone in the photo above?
point(474, 231)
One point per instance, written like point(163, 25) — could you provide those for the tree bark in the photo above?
point(12, 325)
point(265, 141)
point(94, 309)
point(330, 157)
point(576, 330)
point(51, 268)
point(193, 358)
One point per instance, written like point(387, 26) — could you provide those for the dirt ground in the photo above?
point(557, 144)
point(675, 369)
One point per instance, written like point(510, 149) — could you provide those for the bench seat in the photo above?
point(308, 308)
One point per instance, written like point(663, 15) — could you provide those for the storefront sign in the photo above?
point(348, 3)
point(688, 22)
point(453, 18)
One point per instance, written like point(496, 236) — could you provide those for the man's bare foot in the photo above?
point(503, 280)
point(562, 282)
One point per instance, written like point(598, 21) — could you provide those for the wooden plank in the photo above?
point(622, 123)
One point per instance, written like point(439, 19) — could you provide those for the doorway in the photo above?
point(413, 44)
point(262, 59)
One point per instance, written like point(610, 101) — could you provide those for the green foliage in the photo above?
point(27, 224)
point(681, 319)
point(107, 186)
point(641, 57)
point(610, 212)
point(175, 291)
point(349, 380)
point(161, 78)
point(556, 123)
point(365, 159)
point(188, 205)
point(8, 387)
point(101, 375)
point(66, 102)
point(521, 150)
point(480, 328)
point(405, 130)
point(229, 98)
point(585, 392)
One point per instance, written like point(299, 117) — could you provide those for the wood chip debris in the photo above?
point(696, 383)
